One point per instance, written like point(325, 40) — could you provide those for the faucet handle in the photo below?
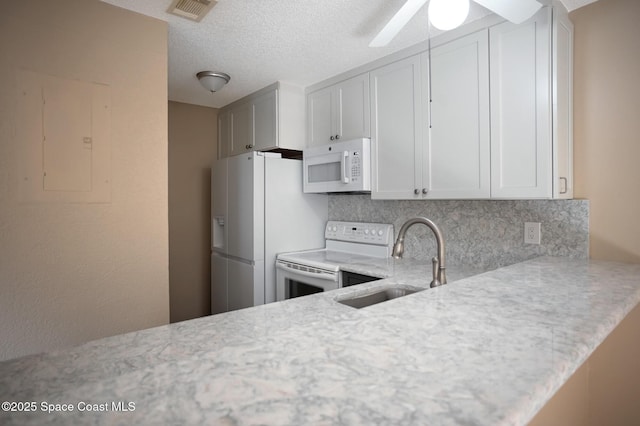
point(436, 268)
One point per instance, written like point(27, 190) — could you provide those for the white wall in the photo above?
point(72, 272)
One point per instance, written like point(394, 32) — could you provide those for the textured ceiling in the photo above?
point(258, 42)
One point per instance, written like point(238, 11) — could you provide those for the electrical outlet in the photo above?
point(532, 232)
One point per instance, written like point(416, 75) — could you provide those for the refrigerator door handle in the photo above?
point(320, 275)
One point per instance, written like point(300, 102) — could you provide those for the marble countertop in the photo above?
point(489, 349)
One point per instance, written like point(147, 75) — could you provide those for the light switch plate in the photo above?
point(532, 232)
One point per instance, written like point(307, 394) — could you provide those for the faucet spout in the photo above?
point(439, 268)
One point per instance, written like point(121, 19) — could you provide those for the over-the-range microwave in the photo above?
point(338, 167)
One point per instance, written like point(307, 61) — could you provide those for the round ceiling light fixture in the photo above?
point(213, 80)
point(448, 14)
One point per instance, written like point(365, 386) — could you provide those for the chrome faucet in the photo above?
point(439, 277)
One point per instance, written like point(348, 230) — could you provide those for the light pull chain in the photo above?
point(429, 67)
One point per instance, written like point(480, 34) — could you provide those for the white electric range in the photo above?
point(312, 271)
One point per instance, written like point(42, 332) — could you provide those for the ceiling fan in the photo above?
point(448, 14)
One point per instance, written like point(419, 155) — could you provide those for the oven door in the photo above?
point(294, 280)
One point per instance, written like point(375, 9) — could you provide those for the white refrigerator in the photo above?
point(258, 210)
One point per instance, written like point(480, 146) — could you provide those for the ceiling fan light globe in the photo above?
point(448, 14)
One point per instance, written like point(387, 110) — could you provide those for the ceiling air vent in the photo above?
point(191, 9)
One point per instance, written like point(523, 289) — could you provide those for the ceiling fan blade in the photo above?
point(396, 23)
point(516, 11)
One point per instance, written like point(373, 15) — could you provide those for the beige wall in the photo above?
point(72, 272)
point(607, 124)
point(193, 135)
point(605, 389)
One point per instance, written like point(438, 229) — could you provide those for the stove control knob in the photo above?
point(366, 232)
point(380, 232)
point(335, 229)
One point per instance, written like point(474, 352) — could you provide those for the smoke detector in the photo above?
point(191, 9)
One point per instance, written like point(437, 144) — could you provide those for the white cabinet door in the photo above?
point(521, 109)
point(458, 160)
point(320, 120)
point(339, 112)
point(265, 121)
point(352, 108)
point(241, 129)
point(397, 137)
point(224, 134)
point(562, 79)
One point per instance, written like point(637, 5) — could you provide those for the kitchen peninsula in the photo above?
point(489, 349)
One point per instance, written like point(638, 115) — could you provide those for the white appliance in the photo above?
point(312, 271)
point(258, 210)
point(338, 167)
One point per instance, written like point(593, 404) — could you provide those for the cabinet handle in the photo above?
point(248, 146)
point(337, 136)
point(424, 191)
point(565, 185)
point(416, 191)
point(331, 138)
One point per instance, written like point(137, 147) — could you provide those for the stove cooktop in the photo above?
point(346, 242)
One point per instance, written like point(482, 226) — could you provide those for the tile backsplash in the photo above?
point(483, 233)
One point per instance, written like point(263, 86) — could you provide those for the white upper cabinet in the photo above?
point(487, 114)
point(320, 127)
point(457, 134)
point(241, 129)
point(265, 121)
point(353, 108)
point(339, 112)
point(562, 95)
point(531, 112)
point(224, 133)
point(271, 118)
point(397, 139)
point(450, 158)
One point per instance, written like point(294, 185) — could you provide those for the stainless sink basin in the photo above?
point(378, 296)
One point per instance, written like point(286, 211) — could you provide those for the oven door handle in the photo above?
point(322, 275)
